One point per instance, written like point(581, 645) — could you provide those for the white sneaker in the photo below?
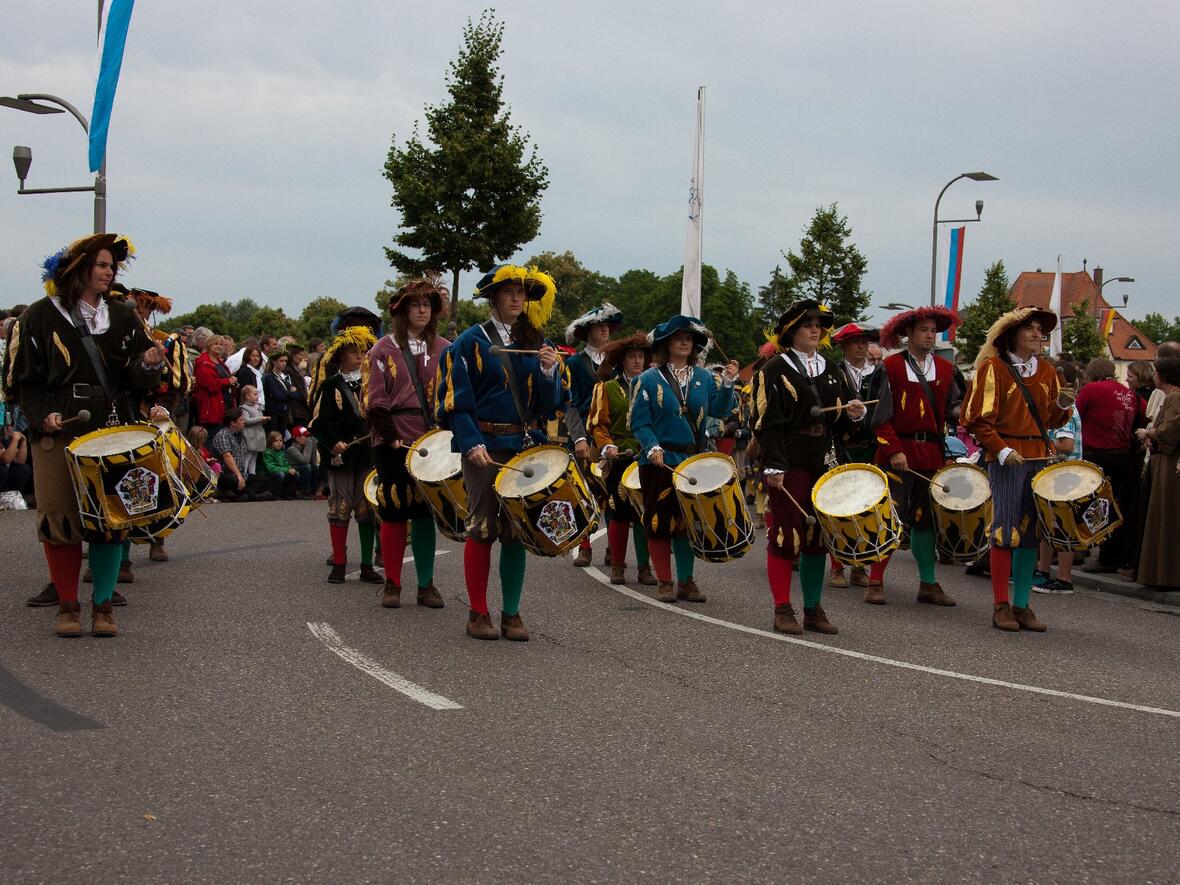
point(12, 501)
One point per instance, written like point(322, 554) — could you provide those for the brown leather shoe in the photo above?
point(68, 624)
point(479, 625)
point(429, 597)
point(103, 620)
point(816, 620)
point(156, 553)
point(645, 576)
point(932, 594)
point(370, 575)
point(584, 557)
point(1003, 619)
point(618, 574)
point(513, 629)
point(860, 578)
point(1027, 619)
point(837, 579)
point(125, 574)
point(118, 598)
point(606, 558)
point(784, 620)
point(666, 591)
point(46, 598)
point(689, 592)
point(875, 594)
point(391, 595)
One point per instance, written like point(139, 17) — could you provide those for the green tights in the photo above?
point(641, 556)
point(1024, 563)
point(512, 558)
point(422, 545)
point(366, 531)
point(682, 553)
point(812, 569)
point(104, 566)
point(922, 545)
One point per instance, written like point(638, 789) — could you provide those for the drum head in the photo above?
point(547, 463)
point(704, 473)
point(1068, 481)
point(371, 482)
point(112, 442)
point(630, 477)
point(960, 487)
point(849, 490)
point(431, 459)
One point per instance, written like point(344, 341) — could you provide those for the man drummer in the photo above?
point(494, 416)
point(1014, 401)
point(918, 397)
point(594, 329)
point(402, 368)
point(859, 444)
point(339, 425)
point(622, 363)
point(795, 438)
point(73, 351)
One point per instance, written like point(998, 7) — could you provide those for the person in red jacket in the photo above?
point(917, 398)
point(211, 380)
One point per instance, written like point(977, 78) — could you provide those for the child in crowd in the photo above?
point(16, 474)
point(198, 437)
point(302, 455)
point(283, 477)
point(255, 432)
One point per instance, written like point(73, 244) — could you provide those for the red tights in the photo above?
point(778, 570)
point(877, 571)
point(617, 534)
point(1000, 561)
point(477, 564)
point(339, 535)
point(660, 550)
point(65, 565)
point(393, 549)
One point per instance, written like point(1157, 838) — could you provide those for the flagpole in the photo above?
point(1055, 307)
point(690, 287)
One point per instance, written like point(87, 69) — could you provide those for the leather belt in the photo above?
point(89, 391)
point(496, 428)
point(926, 436)
point(813, 430)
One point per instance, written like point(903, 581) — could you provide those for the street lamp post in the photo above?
point(1105, 283)
point(22, 157)
point(974, 176)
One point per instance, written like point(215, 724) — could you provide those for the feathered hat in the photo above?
point(796, 314)
point(855, 330)
point(539, 289)
point(359, 338)
point(356, 316)
point(899, 326)
point(604, 313)
point(154, 301)
point(429, 284)
point(681, 323)
point(1013, 319)
point(614, 351)
point(68, 260)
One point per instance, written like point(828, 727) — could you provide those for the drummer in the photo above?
point(402, 368)
point(671, 402)
point(1009, 376)
point(493, 417)
point(594, 328)
point(622, 363)
point(865, 382)
point(55, 377)
point(795, 443)
point(918, 397)
point(339, 426)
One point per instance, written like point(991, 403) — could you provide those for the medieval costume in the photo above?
point(1159, 558)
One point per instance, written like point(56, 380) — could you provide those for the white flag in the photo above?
point(690, 288)
point(1055, 307)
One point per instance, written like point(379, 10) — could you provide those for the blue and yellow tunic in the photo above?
point(656, 418)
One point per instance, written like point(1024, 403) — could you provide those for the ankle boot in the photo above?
point(68, 624)
point(118, 598)
point(860, 578)
point(932, 594)
point(103, 620)
point(584, 559)
point(606, 558)
point(875, 593)
point(1027, 619)
point(666, 591)
point(837, 579)
point(618, 574)
point(645, 577)
point(391, 595)
point(370, 576)
point(156, 553)
point(784, 620)
point(479, 625)
point(816, 620)
point(336, 576)
point(1003, 619)
point(513, 629)
point(429, 597)
point(689, 592)
point(125, 574)
point(47, 597)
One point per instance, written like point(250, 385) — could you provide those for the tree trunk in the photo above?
point(455, 287)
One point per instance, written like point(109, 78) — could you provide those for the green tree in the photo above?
point(828, 267)
point(1080, 335)
point(1156, 327)
point(467, 196)
point(578, 289)
point(469, 313)
point(634, 294)
point(266, 320)
point(211, 316)
point(988, 306)
point(773, 298)
point(387, 291)
point(315, 321)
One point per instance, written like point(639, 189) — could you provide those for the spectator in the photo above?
point(234, 358)
point(198, 438)
point(299, 412)
point(1068, 441)
point(16, 474)
point(315, 350)
point(1141, 378)
point(212, 385)
point(229, 446)
point(250, 372)
point(284, 479)
point(302, 455)
point(254, 430)
point(279, 392)
point(1159, 558)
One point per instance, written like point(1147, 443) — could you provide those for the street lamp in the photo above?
point(896, 305)
point(974, 176)
point(1105, 283)
point(22, 157)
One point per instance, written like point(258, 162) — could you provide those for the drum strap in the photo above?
point(412, 368)
point(522, 413)
point(1050, 449)
point(837, 453)
point(939, 418)
point(96, 361)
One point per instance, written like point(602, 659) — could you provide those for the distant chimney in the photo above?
point(1085, 261)
point(1098, 277)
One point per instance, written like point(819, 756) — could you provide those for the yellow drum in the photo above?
point(961, 499)
point(856, 513)
point(546, 500)
point(714, 509)
point(597, 475)
point(200, 482)
point(629, 488)
point(124, 477)
point(371, 488)
point(439, 474)
point(1076, 508)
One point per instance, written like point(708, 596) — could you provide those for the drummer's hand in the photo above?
point(856, 409)
point(52, 423)
point(898, 461)
point(479, 457)
point(340, 448)
point(731, 370)
point(1014, 459)
point(157, 414)
point(610, 452)
point(582, 449)
point(656, 458)
point(291, 472)
point(548, 357)
point(774, 481)
point(155, 355)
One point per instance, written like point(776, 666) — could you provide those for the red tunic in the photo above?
point(908, 414)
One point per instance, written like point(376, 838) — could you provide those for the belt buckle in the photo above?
point(81, 395)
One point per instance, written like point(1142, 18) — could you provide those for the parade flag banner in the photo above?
point(114, 22)
point(690, 287)
point(1107, 323)
point(954, 272)
point(1055, 306)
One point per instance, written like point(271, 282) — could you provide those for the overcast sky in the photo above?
point(248, 139)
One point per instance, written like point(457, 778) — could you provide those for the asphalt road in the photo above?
point(228, 735)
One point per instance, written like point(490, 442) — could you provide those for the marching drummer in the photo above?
point(622, 363)
point(76, 351)
point(402, 369)
point(671, 402)
point(496, 403)
point(801, 401)
point(1015, 399)
point(339, 426)
point(919, 396)
point(594, 329)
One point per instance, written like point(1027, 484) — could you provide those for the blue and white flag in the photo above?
point(114, 23)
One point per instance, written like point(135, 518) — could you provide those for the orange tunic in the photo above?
point(996, 414)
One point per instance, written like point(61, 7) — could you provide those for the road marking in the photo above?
point(31, 704)
point(331, 639)
point(409, 557)
point(599, 576)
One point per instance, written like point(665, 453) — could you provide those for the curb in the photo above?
point(1120, 586)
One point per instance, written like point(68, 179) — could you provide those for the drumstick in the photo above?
point(816, 410)
point(625, 453)
point(928, 479)
point(498, 349)
point(721, 351)
point(527, 471)
point(83, 415)
point(692, 480)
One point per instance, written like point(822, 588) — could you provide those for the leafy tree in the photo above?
point(316, 319)
point(467, 196)
point(1156, 327)
point(828, 267)
point(773, 298)
point(578, 289)
point(211, 316)
point(269, 321)
point(633, 294)
point(387, 291)
point(1080, 335)
point(468, 313)
point(992, 302)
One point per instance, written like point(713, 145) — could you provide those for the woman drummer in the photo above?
point(622, 363)
point(402, 367)
point(493, 417)
point(1009, 376)
point(795, 437)
point(672, 400)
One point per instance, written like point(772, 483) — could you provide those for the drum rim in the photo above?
point(1062, 465)
point(697, 459)
point(843, 468)
point(519, 456)
point(943, 469)
point(154, 433)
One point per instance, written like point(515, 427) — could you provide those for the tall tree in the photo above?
point(828, 267)
point(1080, 335)
point(1156, 327)
point(992, 302)
point(578, 289)
point(773, 297)
point(467, 196)
point(316, 319)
